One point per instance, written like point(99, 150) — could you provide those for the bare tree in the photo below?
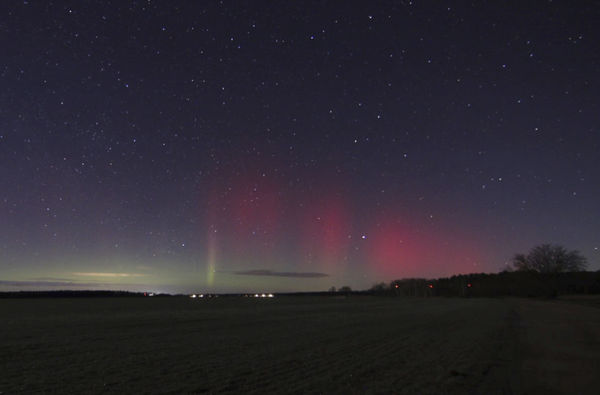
point(379, 288)
point(520, 262)
point(548, 258)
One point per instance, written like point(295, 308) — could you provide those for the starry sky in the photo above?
point(240, 146)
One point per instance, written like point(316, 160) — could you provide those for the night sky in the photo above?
point(292, 146)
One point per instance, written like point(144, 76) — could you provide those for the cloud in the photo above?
point(38, 283)
point(51, 279)
point(281, 274)
point(45, 284)
point(97, 274)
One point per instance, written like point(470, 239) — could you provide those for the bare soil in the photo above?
point(558, 347)
point(358, 345)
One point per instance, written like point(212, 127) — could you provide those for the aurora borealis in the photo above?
point(253, 146)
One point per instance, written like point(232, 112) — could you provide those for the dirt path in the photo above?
point(557, 348)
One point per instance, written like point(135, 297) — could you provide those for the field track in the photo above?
point(558, 349)
point(298, 345)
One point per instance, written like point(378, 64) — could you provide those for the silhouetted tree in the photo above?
point(345, 289)
point(379, 288)
point(548, 258)
point(520, 262)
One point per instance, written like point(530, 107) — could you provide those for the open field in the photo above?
point(298, 345)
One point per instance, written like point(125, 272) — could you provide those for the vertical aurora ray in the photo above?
point(212, 226)
point(211, 260)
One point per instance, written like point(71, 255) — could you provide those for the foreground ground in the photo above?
point(298, 345)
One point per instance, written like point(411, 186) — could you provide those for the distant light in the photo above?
point(397, 286)
point(192, 296)
point(270, 295)
point(363, 236)
point(151, 294)
point(469, 285)
point(430, 286)
point(201, 295)
point(256, 295)
point(263, 296)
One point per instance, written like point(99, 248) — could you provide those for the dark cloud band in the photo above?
point(281, 274)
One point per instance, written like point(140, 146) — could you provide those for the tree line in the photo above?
point(546, 271)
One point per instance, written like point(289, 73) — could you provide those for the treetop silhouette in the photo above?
point(550, 258)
